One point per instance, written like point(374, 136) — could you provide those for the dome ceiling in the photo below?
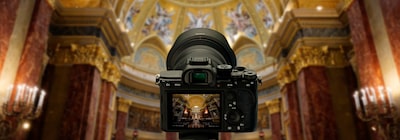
point(153, 25)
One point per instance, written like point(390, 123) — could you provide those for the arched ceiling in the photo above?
point(169, 18)
point(153, 25)
point(248, 25)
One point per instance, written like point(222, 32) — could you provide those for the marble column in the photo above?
point(287, 79)
point(274, 108)
point(122, 118)
point(7, 21)
point(104, 112)
point(316, 104)
point(171, 135)
point(80, 112)
point(391, 17)
point(31, 64)
point(226, 135)
point(314, 94)
point(367, 64)
point(32, 58)
point(110, 77)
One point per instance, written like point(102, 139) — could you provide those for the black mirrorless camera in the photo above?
point(203, 89)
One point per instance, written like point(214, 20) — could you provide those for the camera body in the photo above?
point(203, 90)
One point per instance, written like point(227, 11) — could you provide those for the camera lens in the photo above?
point(200, 42)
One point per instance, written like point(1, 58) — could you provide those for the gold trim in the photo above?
point(90, 54)
point(318, 56)
point(123, 105)
point(111, 73)
point(74, 54)
point(274, 106)
point(286, 74)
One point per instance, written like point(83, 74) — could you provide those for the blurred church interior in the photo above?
point(85, 69)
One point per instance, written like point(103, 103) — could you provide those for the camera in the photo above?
point(203, 89)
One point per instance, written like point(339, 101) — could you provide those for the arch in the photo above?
point(150, 55)
point(243, 41)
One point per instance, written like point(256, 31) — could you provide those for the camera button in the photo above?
point(177, 84)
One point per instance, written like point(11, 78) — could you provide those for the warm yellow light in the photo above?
point(373, 128)
point(319, 8)
point(26, 125)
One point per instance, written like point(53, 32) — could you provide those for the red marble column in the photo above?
point(121, 125)
point(366, 58)
point(290, 97)
point(391, 16)
point(171, 136)
point(276, 126)
point(80, 112)
point(8, 14)
point(30, 67)
point(226, 135)
point(107, 89)
point(316, 104)
point(369, 71)
point(31, 62)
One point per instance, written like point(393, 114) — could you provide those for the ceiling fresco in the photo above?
point(166, 19)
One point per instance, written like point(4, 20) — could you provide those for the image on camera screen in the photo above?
point(195, 111)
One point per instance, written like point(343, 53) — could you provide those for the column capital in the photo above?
point(306, 56)
point(111, 73)
point(123, 105)
point(286, 74)
point(274, 106)
point(90, 54)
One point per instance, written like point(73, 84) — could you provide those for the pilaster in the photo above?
point(274, 108)
point(122, 116)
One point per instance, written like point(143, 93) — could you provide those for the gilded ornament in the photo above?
point(91, 54)
point(318, 56)
point(111, 73)
point(123, 104)
point(274, 106)
point(74, 54)
point(286, 74)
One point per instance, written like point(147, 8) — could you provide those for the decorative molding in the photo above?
point(99, 22)
point(123, 105)
point(274, 106)
point(57, 30)
point(305, 23)
point(306, 56)
point(111, 73)
point(286, 74)
point(318, 56)
point(90, 54)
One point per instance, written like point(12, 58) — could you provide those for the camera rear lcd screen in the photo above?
point(195, 111)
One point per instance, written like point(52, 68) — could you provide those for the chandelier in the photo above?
point(375, 105)
point(23, 103)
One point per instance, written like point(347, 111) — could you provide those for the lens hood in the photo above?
point(200, 42)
